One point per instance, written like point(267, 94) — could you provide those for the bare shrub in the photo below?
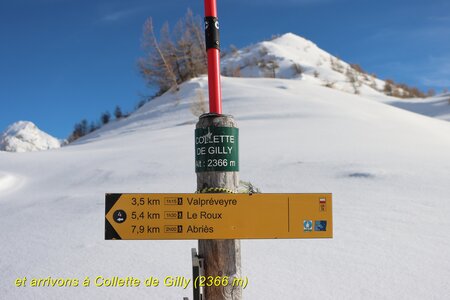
point(274, 36)
point(174, 56)
point(352, 77)
point(298, 69)
point(224, 71)
point(272, 67)
point(336, 64)
point(263, 51)
point(268, 67)
point(329, 84)
point(236, 72)
point(357, 68)
point(388, 87)
point(373, 83)
point(234, 50)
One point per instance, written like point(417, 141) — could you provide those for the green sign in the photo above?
point(216, 149)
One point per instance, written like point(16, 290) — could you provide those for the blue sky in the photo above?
point(65, 60)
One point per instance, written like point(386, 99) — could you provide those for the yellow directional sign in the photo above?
point(218, 216)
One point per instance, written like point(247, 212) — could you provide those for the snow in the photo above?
point(388, 169)
point(437, 107)
point(24, 136)
point(318, 66)
point(8, 182)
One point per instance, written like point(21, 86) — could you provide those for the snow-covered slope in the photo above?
point(24, 136)
point(436, 107)
point(388, 170)
point(294, 57)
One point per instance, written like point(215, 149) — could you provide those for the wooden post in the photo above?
point(221, 257)
point(217, 174)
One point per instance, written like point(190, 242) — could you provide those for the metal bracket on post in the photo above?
point(198, 270)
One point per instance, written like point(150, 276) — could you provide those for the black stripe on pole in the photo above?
point(212, 36)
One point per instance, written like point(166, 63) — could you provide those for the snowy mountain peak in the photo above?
point(25, 136)
point(16, 127)
point(290, 56)
point(291, 39)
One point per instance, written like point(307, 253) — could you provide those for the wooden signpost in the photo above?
point(216, 215)
point(217, 173)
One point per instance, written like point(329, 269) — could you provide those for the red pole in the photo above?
point(212, 46)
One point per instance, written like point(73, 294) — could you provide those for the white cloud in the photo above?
point(121, 14)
